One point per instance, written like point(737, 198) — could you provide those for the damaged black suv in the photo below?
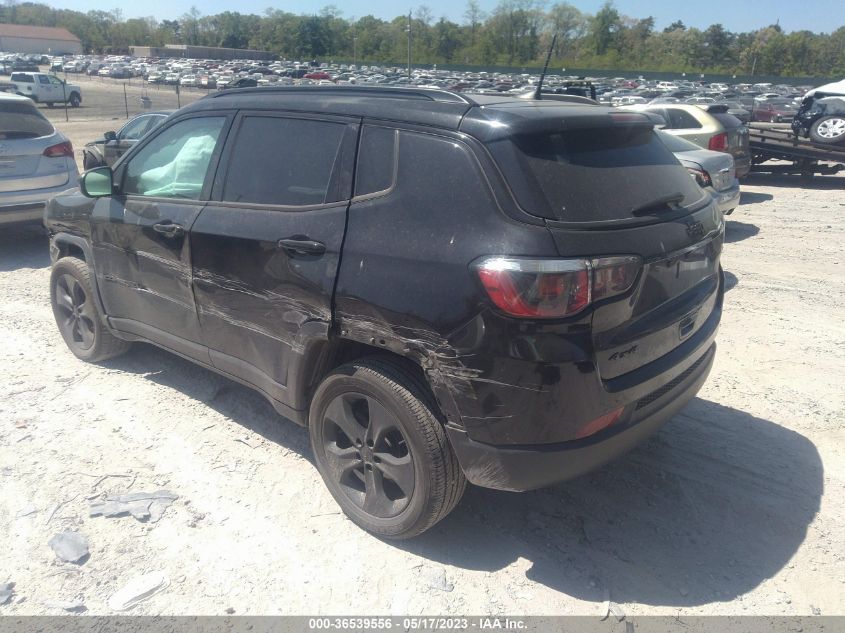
point(444, 288)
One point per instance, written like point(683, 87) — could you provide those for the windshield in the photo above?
point(593, 174)
point(21, 119)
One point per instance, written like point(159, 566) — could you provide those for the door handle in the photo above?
point(301, 246)
point(169, 229)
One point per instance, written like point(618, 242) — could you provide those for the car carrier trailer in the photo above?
point(777, 142)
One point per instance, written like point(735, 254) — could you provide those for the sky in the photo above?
point(821, 16)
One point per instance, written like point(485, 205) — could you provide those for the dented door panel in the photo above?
point(144, 275)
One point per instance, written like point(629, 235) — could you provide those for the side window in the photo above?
point(55, 80)
point(681, 120)
point(175, 163)
point(43, 79)
point(283, 161)
point(134, 130)
point(376, 160)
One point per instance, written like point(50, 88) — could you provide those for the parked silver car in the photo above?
point(713, 171)
point(36, 160)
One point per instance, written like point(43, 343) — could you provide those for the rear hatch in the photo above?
point(607, 186)
point(24, 135)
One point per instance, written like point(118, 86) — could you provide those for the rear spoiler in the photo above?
point(716, 108)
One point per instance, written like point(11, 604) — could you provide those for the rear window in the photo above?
point(676, 143)
point(20, 119)
point(728, 120)
point(594, 174)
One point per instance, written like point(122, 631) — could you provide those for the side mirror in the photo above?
point(110, 136)
point(97, 182)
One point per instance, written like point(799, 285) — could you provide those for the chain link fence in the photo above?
point(107, 99)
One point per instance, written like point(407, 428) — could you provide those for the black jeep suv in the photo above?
point(443, 288)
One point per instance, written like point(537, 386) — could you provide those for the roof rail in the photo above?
point(431, 94)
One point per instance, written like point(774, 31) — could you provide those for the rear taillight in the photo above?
point(701, 177)
point(554, 288)
point(61, 149)
point(718, 143)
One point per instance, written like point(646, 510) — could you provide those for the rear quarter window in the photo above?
point(21, 119)
point(376, 160)
point(681, 120)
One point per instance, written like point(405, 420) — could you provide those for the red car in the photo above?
point(317, 75)
point(773, 111)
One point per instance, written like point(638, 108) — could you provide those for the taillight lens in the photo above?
point(599, 424)
point(62, 149)
point(701, 177)
point(718, 143)
point(554, 288)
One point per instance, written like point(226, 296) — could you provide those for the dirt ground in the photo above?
point(735, 507)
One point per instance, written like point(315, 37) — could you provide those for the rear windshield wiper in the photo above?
point(660, 205)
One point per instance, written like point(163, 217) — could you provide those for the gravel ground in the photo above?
point(735, 507)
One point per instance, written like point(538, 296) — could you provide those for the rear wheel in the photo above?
point(828, 130)
point(381, 449)
point(76, 314)
point(75, 100)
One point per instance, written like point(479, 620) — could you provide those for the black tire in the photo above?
point(75, 100)
point(49, 104)
point(77, 315)
point(90, 162)
point(392, 470)
point(828, 130)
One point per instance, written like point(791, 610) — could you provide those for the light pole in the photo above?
point(355, 50)
point(409, 46)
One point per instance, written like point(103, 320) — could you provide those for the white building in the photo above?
point(19, 38)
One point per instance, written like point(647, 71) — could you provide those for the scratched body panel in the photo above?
point(416, 294)
point(145, 276)
point(253, 297)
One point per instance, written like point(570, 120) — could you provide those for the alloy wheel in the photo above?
point(832, 128)
point(76, 312)
point(368, 455)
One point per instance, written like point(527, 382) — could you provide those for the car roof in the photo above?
point(10, 96)
point(423, 106)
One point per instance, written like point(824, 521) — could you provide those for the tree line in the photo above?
point(514, 33)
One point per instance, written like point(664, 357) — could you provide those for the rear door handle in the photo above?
point(301, 246)
point(169, 229)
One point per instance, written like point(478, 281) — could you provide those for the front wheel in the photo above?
point(76, 313)
point(828, 130)
point(381, 449)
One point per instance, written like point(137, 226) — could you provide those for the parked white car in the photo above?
point(44, 88)
point(36, 160)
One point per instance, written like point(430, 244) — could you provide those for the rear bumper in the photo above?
point(521, 468)
point(28, 206)
point(726, 200)
point(21, 213)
